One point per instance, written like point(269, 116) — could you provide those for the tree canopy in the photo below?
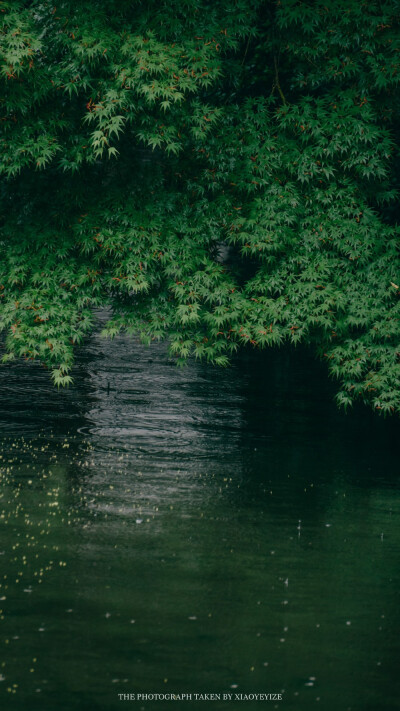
point(219, 173)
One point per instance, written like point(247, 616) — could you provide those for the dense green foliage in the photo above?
point(221, 173)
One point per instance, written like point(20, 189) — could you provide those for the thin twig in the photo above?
point(277, 84)
point(245, 51)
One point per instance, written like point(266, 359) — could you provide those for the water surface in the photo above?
point(195, 531)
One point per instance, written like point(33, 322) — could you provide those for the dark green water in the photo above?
point(195, 531)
